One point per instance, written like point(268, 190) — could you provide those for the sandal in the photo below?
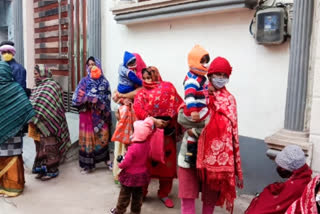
point(49, 176)
point(167, 202)
point(39, 176)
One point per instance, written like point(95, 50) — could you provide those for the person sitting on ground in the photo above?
point(309, 203)
point(277, 197)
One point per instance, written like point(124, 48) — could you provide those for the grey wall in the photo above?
point(258, 169)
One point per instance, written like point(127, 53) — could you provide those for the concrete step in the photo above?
point(29, 150)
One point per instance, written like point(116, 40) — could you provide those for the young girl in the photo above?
point(134, 174)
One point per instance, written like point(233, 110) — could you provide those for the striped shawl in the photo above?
point(50, 119)
point(15, 108)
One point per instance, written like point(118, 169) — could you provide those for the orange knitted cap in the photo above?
point(194, 59)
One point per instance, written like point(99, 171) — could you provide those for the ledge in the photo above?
point(283, 138)
point(154, 10)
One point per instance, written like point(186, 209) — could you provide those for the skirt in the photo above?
point(93, 146)
point(11, 176)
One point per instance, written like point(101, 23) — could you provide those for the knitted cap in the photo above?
point(291, 158)
point(142, 130)
point(220, 65)
point(194, 58)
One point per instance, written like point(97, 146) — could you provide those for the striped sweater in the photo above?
point(194, 96)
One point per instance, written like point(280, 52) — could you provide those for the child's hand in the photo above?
point(117, 115)
point(195, 116)
point(211, 89)
point(190, 133)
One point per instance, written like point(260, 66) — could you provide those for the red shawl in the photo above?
point(218, 159)
point(157, 99)
point(140, 65)
point(277, 197)
point(307, 203)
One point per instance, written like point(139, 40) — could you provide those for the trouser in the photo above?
point(165, 187)
point(188, 206)
point(127, 193)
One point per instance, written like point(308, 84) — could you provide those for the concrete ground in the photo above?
point(95, 193)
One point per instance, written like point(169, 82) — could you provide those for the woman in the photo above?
point(15, 111)
point(309, 203)
point(49, 127)
point(92, 97)
point(218, 158)
point(160, 100)
point(125, 115)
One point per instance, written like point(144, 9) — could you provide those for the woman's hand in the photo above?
point(160, 123)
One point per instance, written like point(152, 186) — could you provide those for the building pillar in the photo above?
point(94, 28)
point(17, 18)
point(295, 131)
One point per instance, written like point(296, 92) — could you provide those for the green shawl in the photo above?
point(15, 108)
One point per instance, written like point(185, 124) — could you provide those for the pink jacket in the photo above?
point(135, 161)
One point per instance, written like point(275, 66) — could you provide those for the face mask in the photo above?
point(132, 67)
point(206, 65)
point(219, 82)
point(7, 57)
point(284, 173)
point(95, 72)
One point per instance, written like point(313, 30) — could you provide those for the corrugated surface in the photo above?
point(18, 30)
point(94, 28)
point(299, 65)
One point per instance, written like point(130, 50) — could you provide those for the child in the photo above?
point(134, 174)
point(128, 80)
point(195, 109)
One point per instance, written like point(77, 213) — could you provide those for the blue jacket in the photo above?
point(127, 78)
point(19, 73)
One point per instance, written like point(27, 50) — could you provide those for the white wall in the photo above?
point(315, 107)
point(259, 78)
point(28, 38)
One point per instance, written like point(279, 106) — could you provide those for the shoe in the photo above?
point(49, 176)
point(167, 202)
point(38, 176)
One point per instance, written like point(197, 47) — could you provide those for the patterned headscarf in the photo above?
point(44, 73)
point(97, 94)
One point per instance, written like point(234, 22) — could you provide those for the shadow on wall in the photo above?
point(258, 170)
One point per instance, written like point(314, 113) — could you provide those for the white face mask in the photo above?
point(206, 65)
point(219, 82)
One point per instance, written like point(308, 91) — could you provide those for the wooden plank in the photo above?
point(60, 72)
point(50, 6)
point(52, 61)
point(48, 18)
point(51, 39)
point(51, 50)
point(51, 28)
